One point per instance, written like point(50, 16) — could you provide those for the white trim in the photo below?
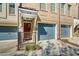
point(8, 40)
point(26, 13)
point(55, 31)
point(71, 32)
point(46, 7)
point(21, 9)
point(27, 16)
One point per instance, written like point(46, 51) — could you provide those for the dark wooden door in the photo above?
point(27, 31)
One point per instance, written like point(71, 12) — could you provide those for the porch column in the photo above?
point(34, 31)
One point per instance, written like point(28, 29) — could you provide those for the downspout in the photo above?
point(19, 33)
point(59, 23)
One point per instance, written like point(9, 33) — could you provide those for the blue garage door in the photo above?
point(46, 31)
point(65, 31)
point(8, 32)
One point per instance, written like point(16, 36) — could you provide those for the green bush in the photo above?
point(64, 40)
point(28, 47)
point(38, 47)
point(32, 47)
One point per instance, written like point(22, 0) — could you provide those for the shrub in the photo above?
point(64, 40)
point(32, 47)
point(38, 47)
point(28, 47)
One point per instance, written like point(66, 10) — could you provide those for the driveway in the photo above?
point(8, 47)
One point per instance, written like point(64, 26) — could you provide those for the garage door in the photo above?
point(8, 33)
point(46, 31)
point(65, 31)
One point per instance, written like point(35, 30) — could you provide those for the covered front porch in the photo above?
point(27, 25)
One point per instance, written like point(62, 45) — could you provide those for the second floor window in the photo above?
point(0, 7)
point(43, 6)
point(53, 7)
point(69, 10)
point(62, 8)
point(12, 8)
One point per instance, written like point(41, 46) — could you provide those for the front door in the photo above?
point(27, 31)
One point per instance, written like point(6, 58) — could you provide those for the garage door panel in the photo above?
point(8, 32)
point(8, 28)
point(8, 35)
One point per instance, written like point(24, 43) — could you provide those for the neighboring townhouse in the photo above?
point(40, 22)
point(76, 21)
point(8, 21)
point(76, 27)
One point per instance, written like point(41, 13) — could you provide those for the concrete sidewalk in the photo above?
point(8, 47)
point(75, 40)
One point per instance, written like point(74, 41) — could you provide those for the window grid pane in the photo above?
point(43, 6)
point(53, 7)
point(0, 7)
point(62, 7)
point(11, 8)
point(69, 6)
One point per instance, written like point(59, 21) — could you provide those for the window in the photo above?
point(11, 8)
point(0, 7)
point(43, 6)
point(69, 9)
point(53, 7)
point(65, 31)
point(62, 8)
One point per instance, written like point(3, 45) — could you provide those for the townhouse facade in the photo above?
point(76, 24)
point(8, 21)
point(37, 22)
point(40, 22)
point(76, 27)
